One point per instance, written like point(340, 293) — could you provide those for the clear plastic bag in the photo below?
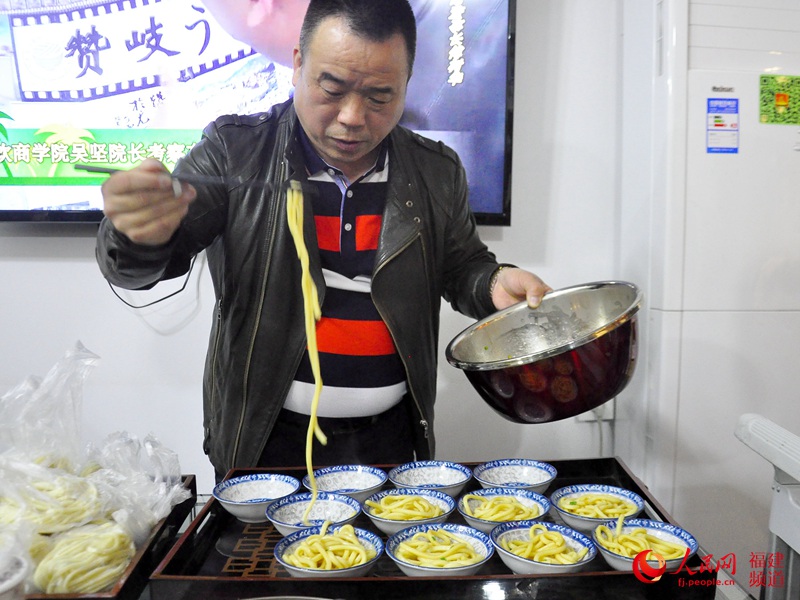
point(41, 417)
point(141, 479)
point(52, 483)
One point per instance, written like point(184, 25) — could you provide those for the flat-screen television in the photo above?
point(111, 82)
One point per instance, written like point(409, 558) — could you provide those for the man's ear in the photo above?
point(260, 11)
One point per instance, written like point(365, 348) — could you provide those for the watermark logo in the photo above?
point(767, 569)
point(646, 573)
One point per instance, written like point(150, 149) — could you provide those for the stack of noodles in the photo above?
point(81, 528)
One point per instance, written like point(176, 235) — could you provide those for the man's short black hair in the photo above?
point(375, 20)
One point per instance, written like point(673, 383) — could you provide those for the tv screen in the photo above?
point(111, 82)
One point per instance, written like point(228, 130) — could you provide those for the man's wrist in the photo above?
point(493, 279)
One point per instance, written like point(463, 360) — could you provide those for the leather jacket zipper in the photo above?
point(271, 228)
point(422, 421)
point(214, 358)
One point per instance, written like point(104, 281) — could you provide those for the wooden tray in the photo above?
point(136, 577)
point(219, 557)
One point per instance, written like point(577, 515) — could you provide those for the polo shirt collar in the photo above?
point(315, 163)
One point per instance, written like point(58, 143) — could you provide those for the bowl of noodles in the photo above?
point(439, 550)
point(620, 542)
point(486, 508)
point(398, 508)
point(538, 547)
point(584, 507)
point(329, 551)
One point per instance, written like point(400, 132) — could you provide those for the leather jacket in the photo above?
point(428, 249)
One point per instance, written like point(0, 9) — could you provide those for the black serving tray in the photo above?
point(219, 557)
point(136, 577)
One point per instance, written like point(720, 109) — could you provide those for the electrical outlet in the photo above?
point(604, 412)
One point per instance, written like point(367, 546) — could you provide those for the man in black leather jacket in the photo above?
point(350, 77)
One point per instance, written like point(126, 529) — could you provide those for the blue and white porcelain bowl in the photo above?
point(528, 499)
point(390, 526)
point(585, 523)
point(520, 531)
point(288, 545)
point(247, 497)
point(447, 477)
point(287, 513)
point(523, 473)
point(479, 541)
point(357, 481)
point(659, 529)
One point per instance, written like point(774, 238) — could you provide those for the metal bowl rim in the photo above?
point(517, 361)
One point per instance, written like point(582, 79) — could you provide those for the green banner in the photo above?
point(47, 156)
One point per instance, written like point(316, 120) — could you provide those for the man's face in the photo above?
point(349, 94)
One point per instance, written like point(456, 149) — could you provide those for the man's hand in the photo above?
point(514, 285)
point(146, 203)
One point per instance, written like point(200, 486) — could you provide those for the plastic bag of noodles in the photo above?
point(82, 510)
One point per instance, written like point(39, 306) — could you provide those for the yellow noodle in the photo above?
point(329, 551)
point(53, 505)
point(597, 506)
point(437, 548)
point(498, 508)
point(312, 312)
point(544, 546)
point(85, 560)
point(404, 508)
point(635, 541)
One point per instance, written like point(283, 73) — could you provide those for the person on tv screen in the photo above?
point(270, 27)
point(388, 233)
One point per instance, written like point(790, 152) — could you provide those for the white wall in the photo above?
point(148, 376)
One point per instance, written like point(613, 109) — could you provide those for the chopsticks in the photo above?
point(192, 178)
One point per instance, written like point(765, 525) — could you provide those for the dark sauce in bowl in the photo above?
point(564, 385)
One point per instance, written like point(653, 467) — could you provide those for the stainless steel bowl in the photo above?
point(574, 352)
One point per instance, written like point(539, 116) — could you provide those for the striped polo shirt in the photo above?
point(361, 371)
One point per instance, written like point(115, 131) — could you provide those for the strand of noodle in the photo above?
point(312, 312)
